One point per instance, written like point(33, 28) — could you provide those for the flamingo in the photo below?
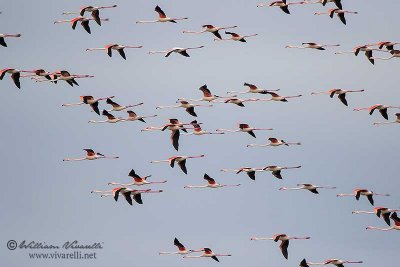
point(381, 108)
point(339, 12)
point(110, 118)
point(180, 50)
point(396, 225)
point(208, 253)
point(283, 5)
point(238, 101)
point(338, 3)
point(310, 187)
point(378, 211)
point(211, 183)
point(285, 241)
point(89, 100)
point(118, 107)
point(2, 36)
point(397, 120)
point(137, 180)
point(94, 10)
point(207, 95)
point(108, 49)
point(132, 116)
point(186, 105)
point(340, 92)
point(180, 160)
point(276, 170)
point(173, 125)
point(363, 192)
point(387, 44)
point(252, 89)
point(338, 263)
point(198, 131)
point(246, 129)
point(312, 46)
point(181, 249)
point(235, 37)
point(211, 28)
point(276, 97)
point(91, 155)
point(251, 172)
point(161, 17)
point(38, 73)
point(64, 75)
point(394, 53)
point(84, 22)
point(15, 75)
point(128, 193)
point(275, 142)
point(366, 48)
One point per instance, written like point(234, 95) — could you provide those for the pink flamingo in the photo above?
point(179, 50)
point(251, 172)
point(275, 142)
point(239, 102)
point(84, 22)
point(91, 155)
point(340, 92)
point(161, 17)
point(381, 108)
point(208, 253)
point(339, 12)
point(235, 37)
point(207, 95)
point(132, 116)
point(128, 193)
point(312, 46)
point(285, 241)
point(397, 120)
point(89, 100)
point(338, 263)
point(396, 225)
point(378, 211)
point(389, 45)
point(118, 107)
point(15, 75)
point(366, 48)
point(283, 5)
point(211, 183)
point(363, 192)
point(137, 180)
point(211, 28)
point(187, 106)
point(338, 3)
point(394, 54)
point(119, 48)
point(310, 187)
point(199, 131)
point(2, 36)
point(246, 129)
point(252, 89)
point(94, 10)
point(180, 160)
point(181, 249)
point(110, 118)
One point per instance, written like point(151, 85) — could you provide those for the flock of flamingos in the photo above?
point(131, 194)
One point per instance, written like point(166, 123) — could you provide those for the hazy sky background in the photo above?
point(47, 200)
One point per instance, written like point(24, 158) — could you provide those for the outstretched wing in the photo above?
point(252, 175)
point(277, 174)
point(284, 246)
point(190, 110)
point(160, 12)
point(182, 164)
point(175, 139)
point(95, 107)
point(122, 53)
point(96, 17)
point(2, 42)
point(342, 98)
point(85, 25)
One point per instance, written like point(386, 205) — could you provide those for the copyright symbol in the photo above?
point(12, 245)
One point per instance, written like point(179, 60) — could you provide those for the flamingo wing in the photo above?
point(384, 113)
point(315, 191)
point(370, 199)
point(191, 111)
point(95, 107)
point(175, 139)
point(160, 12)
point(386, 217)
point(252, 175)
point(96, 17)
point(342, 98)
point(285, 9)
point(342, 18)
point(122, 53)
point(215, 258)
point(182, 164)
point(138, 198)
point(15, 77)
point(128, 197)
point(85, 25)
point(216, 33)
point(284, 246)
point(277, 174)
point(2, 42)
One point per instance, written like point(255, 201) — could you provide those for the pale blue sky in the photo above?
point(45, 199)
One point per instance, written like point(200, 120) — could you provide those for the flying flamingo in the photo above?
point(211, 28)
point(338, 3)
point(137, 180)
point(91, 155)
point(395, 53)
point(15, 75)
point(181, 249)
point(366, 48)
point(118, 107)
point(275, 142)
point(276, 97)
point(110, 118)
point(246, 129)
point(285, 241)
point(276, 170)
point(173, 125)
point(84, 22)
point(396, 225)
point(38, 73)
point(128, 193)
point(235, 37)
point(132, 116)
point(2, 36)
point(64, 75)
point(239, 102)
point(363, 192)
point(283, 5)
point(198, 131)
point(397, 120)
point(94, 10)
point(381, 108)
point(252, 89)
point(89, 100)
point(251, 172)
point(310, 187)
point(340, 92)
point(161, 17)
point(312, 46)
point(211, 183)
point(186, 105)
point(338, 263)
point(180, 160)
point(208, 253)
point(339, 12)
point(108, 48)
point(387, 44)
point(207, 95)
point(180, 50)
point(378, 211)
